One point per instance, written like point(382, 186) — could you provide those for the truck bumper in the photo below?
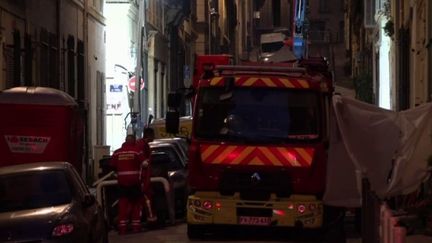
point(206, 208)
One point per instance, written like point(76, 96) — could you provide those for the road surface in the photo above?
point(177, 234)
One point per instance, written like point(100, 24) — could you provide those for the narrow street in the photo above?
point(177, 233)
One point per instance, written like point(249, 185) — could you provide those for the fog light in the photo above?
point(301, 208)
point(218, 205)
point(197, 203)
point(63, 229)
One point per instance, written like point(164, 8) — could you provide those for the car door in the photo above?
point(91, 211)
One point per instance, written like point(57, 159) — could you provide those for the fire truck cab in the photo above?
point(258, 146)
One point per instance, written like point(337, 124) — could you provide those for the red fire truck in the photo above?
point(259, 143)
point(40, 124)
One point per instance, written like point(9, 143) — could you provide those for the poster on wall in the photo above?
point(116, 98)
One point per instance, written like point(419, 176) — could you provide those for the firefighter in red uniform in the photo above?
point(143, 146)
point(127, 162)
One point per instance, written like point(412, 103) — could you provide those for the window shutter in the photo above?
point(369, 14)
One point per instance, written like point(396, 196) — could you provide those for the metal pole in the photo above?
point(141, 42)
point(143, 104)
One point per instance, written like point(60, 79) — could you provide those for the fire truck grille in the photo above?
point(255, 185)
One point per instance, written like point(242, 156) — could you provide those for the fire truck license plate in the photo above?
point(254, 220)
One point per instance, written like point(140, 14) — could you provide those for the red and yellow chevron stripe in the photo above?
point(264, 82)
point(257, 155)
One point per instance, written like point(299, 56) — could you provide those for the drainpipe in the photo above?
point(59, 47)
point(88, 130)
point(429, 47)
point(2, 38)
point(144, 96)
point(141, 41)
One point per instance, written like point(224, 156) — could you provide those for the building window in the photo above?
point(48, 65)
point(71, 78)
point(156, 90)
point(9, 64)
point(163, 89)
point(276, 13)
point(80, 71)
point(28, 65)
point(369, 13)
point(341, 32)
point(44, 58)
point(16, 58)
point(53, 66)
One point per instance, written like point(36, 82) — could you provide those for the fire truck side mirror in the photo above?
point(172, 122)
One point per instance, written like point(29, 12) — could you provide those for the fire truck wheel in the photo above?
point(334, 225)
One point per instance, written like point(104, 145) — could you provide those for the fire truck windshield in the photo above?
point(266, 115)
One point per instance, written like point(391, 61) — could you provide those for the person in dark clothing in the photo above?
point(143, 146)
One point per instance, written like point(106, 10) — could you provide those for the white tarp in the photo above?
point(390, 148)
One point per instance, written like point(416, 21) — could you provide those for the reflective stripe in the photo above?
point(122, 223)
point(128, 173)
point(128, 152)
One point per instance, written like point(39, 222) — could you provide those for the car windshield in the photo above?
point(257, 114)
point(164, 159)
point(34, 190)
point(271, 46)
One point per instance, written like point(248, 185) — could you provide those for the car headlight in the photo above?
point(62, 229)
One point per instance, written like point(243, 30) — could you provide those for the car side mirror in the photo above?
point(88, 200)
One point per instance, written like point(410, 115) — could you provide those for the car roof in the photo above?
point(176, 141)
point(37, 166)
point(36, 95)
point(160, 144)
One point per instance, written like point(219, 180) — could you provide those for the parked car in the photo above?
point(48, 202)
point(179, 143)
point(168, 162)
